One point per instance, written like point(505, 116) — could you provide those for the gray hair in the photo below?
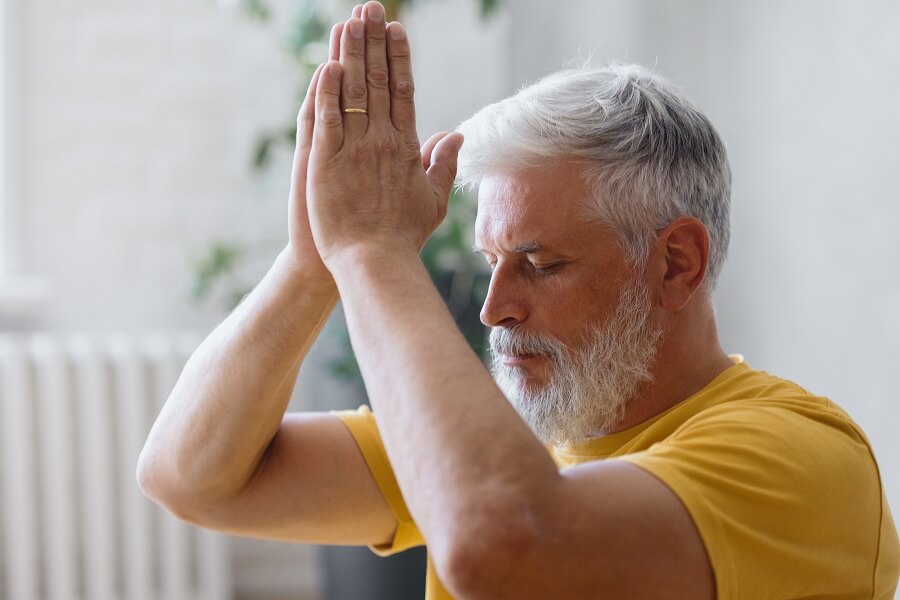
point(648, 154)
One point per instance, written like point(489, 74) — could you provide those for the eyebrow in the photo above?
point(529, 248)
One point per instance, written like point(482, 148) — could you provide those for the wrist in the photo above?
point(383, 258)
point(310, 273)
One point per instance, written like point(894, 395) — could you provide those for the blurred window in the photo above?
point(2, 136)
point(6, 250)
point(10, 123)
point(20, 292)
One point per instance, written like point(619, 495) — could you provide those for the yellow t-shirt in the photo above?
point(781, 484)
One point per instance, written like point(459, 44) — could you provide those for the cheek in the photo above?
point(568, 306)
point(577, 304)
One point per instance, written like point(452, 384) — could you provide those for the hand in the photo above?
point(369, 184)
point(301, 247)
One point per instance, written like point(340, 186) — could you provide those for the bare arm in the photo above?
point(223, 454)
point(501, 521)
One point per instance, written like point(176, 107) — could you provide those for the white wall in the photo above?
point(805, 95)
point(141, 119)
point(140, 116)
point(137, 130)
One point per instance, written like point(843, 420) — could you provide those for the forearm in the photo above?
point(439, 412)
point(231, 397)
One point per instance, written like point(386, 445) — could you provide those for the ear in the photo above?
point(683, 251)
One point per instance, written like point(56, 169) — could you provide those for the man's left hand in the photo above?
point(370, 185)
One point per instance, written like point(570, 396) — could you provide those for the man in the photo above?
point(673, 470)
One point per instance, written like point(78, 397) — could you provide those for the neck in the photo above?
point(689, 357)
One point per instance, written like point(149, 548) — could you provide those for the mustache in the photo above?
point(513, 342)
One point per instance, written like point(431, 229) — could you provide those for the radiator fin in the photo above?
point(74, 413)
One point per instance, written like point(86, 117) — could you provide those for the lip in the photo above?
point(520, 359)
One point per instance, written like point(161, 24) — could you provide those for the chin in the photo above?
point(518, 385)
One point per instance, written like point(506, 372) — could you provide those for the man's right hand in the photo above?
point(301, 248)
point(223, 453)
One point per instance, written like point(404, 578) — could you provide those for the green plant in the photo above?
point(220, 261)
point(309, 29)
point(458, 274)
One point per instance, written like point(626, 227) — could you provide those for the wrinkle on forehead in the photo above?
point(502, 208)
point(543, 206)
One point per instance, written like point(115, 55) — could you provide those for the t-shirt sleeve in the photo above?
point(362, 426)
point(787, 505)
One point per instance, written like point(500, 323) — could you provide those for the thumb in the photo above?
point(442, 171)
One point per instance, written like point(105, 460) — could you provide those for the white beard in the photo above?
point(590, 385)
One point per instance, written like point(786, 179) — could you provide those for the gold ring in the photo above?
point(361, 111)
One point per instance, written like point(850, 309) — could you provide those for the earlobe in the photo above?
point(685, 245)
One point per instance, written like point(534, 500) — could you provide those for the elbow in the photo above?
point(154, 482)
point(145, 475)
point(485, 559)
point(150, 475)
point(150, 478)
point(153, 473)
point(465, 575)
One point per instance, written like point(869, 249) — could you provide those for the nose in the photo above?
point(505, 304)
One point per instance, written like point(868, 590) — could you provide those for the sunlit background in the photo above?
point(144, 187)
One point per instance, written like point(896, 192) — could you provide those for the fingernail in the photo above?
point(356, 28)
point(375, 11)
point(397, 32)
point(334, 70)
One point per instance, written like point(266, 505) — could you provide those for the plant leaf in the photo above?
point(308, 27)
point(256, 9)
point(488, 7)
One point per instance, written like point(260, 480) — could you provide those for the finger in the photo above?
point(334, 44)
point(357, 11)
point(442, 171)
point(428, 147)
point(306, 117)
point(402, 89)
point(353, 86)
point(376, 65)
point(328, 134)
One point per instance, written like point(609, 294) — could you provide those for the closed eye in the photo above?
point(546, 269)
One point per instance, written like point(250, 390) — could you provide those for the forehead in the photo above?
point(548, 206)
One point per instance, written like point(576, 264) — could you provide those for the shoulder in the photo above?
point(753, 403)
point(776, 476)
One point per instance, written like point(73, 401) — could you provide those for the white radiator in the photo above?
point(74, 414)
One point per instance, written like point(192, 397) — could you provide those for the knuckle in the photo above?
point(330, 116)
point(360, 152)
point(400, 54)
point(410, 151)
point(375, 38)
point(355, 50)
point(403, 88)
point(307, 112)
point(355, 91)
point(377, 77)
point(388, 144)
